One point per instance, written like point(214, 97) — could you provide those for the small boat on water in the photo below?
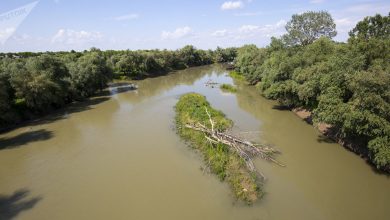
point(230, 66)
point(122, 87)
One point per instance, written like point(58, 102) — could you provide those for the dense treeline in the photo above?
point(33, 84)
point(346, 85)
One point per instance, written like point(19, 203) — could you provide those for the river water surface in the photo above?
point(118, 157)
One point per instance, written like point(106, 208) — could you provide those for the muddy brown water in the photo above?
point(118, 157)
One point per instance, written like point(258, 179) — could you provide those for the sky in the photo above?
point(57, 25)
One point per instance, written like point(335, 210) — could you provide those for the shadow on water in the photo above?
point(12, 205)
point(64, 112)
point(73, 108)
point(356, 148)
point(25, 138)
point(281, 107)
point(324, 139)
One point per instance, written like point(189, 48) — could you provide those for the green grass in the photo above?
point(237, 76)
point(226, 164)
point(228, 88)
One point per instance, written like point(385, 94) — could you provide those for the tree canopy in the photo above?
point(377, 26)
point(305, 28)
point(345, 85)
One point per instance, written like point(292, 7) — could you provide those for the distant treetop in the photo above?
point(377, 26)
point(305, 28)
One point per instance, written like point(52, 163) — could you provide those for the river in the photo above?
point(117, 156)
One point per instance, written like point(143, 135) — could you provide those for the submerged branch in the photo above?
point(227, 155)
point(244, 148)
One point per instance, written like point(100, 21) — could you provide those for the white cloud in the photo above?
point(281, 23)
point(249, 33)
point(344, 25)
point(269, 30)
point(177, 34)
point(232, 5)
point(219, 33)
point(6, 33)
point(72, 37)
point(127, 17)
point(344, 22)
point(248, 28)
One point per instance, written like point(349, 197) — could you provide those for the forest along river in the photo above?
point(118, 157)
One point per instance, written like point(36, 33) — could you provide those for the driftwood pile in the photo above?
point(245, 149)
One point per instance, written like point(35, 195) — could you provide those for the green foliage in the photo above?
point(145, 63)
point(305, 28)
point(6, 115)
point(225, 55)
point(41, 81)
point(131, 64)
point(190, 56)
point(89, 74)
point(248, 62)
point(377, 26)
point(228, 88)
point(225, 164)
point(236, 75)
point(344, 85)
point(191, 108)
point(380, 150)
point(371, 37)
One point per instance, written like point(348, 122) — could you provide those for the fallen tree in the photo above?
point(227, 155)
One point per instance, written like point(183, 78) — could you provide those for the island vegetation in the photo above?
point(226, 155)
point(228, 88)
point(345, 86)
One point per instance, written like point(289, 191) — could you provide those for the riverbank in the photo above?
point(330, 133)
point(27, 116)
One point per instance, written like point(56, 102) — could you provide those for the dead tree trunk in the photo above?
point(245, 149)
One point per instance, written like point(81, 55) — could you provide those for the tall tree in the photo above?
point(5, 99)
point(377, 26)
point(305, 28)
point(89, 74)
point(42, 82)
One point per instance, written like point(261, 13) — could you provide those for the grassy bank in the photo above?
point(227, 165)
point(237, 76)
point(228, 88)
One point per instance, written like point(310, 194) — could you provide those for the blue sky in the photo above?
point(147, 24)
